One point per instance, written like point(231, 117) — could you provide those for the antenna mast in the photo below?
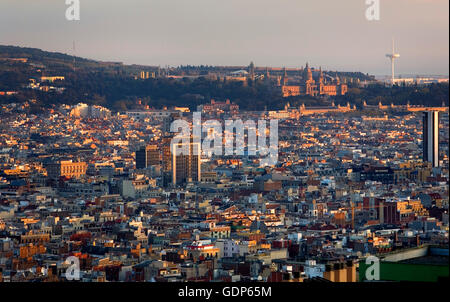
point(73, 53)
point(393, 56)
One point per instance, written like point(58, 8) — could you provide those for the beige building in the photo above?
point(66, 168)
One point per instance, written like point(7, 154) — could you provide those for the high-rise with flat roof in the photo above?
point(185, 167)
point(431, 137)
point(147, 156)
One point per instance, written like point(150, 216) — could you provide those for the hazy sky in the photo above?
point(333, 34)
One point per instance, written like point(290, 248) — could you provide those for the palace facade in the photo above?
point(308, 85)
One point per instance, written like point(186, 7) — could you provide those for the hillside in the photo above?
point(115, 86)
point(54, 61)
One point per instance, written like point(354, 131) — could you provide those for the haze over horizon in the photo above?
point(327, 33)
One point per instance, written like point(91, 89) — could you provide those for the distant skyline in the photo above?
point(328, 33)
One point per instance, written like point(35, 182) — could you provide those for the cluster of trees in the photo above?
point(434, 94)
point(119, 93)
point(112, 85)
point(12, 80)
point(122, 92)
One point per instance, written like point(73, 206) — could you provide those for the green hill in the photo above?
point(114, 85)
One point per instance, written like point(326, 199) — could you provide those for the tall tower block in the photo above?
point(431, 137)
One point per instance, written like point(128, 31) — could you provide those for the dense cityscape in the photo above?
point(104, 187)
point(224, 148)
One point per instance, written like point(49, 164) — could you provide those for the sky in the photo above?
point(333, 34)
